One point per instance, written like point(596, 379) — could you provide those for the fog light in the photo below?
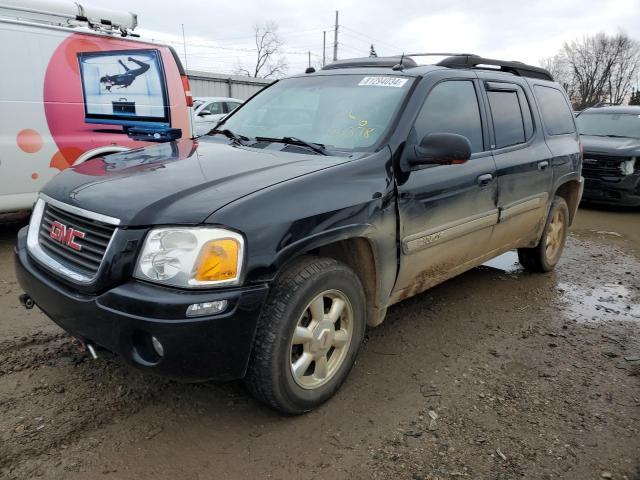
point(157, 346)
point(206, 308)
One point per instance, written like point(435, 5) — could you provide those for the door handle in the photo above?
point(543, 165)
point(484, 180)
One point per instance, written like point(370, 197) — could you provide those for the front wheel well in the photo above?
point(358, 254)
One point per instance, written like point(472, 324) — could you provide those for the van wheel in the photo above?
point(308, 335)
point(545, 256)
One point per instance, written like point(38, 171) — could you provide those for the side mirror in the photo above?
point(204, 113)
point(441, 149)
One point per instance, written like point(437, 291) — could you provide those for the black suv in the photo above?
point(263, 249)
point(611, 167)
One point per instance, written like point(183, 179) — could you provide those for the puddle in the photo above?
point(507, 262)
point(607, 302)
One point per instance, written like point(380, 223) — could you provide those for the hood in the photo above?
point(181, 182)
point(618, 147)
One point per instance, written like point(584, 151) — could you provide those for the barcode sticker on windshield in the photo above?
point(395, 82)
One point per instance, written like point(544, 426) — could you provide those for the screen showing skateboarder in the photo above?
point(123, 87)
point(123, 80)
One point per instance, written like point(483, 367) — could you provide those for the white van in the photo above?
point(77, 84)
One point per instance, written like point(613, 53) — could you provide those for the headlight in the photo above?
point(191, 257)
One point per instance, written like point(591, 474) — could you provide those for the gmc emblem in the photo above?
point(66, 235)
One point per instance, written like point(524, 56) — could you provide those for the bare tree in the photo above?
point(597, 68)
point(559, 67)
point(269, 62)
point(625, 72)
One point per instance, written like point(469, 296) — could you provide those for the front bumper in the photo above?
point(124, 318)
point(625, 192)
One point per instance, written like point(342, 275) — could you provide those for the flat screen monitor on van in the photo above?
point(124, 87)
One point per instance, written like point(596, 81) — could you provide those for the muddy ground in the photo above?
point(497, 374)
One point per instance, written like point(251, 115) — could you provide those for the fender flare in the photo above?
point(369, 271)
point(576, 192)
point(320, 239)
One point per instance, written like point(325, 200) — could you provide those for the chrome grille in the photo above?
point(601, 166)
point(93, 245)
point(70, 240)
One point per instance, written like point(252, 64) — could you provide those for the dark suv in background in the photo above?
point(263, 250)
point(611, 166)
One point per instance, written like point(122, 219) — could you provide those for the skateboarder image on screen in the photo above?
point(123, 80)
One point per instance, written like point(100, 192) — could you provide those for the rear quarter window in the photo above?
point(556, 114)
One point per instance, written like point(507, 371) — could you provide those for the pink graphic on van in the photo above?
point(64, 102)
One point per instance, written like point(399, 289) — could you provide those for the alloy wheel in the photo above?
point(555, 235)
point(321, 339)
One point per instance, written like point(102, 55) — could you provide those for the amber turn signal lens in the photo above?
point(218, 261)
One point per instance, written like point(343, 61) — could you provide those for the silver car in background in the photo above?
point(208, 111)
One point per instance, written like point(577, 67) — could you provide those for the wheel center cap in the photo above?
point(322, 337)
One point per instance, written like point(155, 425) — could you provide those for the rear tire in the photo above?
point(308, 335)
point(545, 256)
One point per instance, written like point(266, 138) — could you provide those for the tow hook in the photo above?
point(26, 301)
point(92, 351)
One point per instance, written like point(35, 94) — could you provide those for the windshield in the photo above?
point(339, 111)
point(609, 124)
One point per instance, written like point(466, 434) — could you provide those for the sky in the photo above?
point(219, 35)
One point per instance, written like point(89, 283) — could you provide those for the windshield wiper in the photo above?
point(316, 147)
point(237, 139)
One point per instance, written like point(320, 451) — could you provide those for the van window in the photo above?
point(452, 107)
point(556, 114)
point(508, 123)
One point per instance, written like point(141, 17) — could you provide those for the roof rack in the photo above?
point(365, 62)
point(475, 61)
point(452, 60)
point(65, 13)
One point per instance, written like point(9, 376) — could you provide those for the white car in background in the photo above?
point(208, 111)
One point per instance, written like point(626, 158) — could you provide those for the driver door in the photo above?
point(447, 212)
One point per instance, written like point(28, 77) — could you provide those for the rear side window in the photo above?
point(511, 114)
point(508, 124)
point(452, 107)
point(556, 114)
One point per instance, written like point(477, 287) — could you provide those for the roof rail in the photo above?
point(452, 60)
point(436, 54)
point(66, 13)
point(365, 62)
point(476, 61)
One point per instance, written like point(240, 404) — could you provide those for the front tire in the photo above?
point(545, 256)
point(308, 335)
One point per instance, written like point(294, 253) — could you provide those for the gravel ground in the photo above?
point(496, 374)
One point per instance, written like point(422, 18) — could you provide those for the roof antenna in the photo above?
point(399, 66)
